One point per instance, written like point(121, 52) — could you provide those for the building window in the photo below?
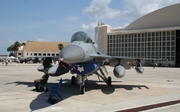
point(157, 43)
point(172, 48)
point(164, 34)
point(157, 48)
point(164, 43)
point(157, 34)
point(157, 38)
point(164, 38)
point(163, 54)
point(172, 58)
point(153, 39)
point(153, 34)
point(163, 48)
point(157, 53)
point(152, 48)
point(172, 53)
point(152, 43)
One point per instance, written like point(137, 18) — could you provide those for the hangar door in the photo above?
point(178, 48)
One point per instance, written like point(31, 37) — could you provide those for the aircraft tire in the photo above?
point(73, 80)
point(109, 81)
point(82, 89)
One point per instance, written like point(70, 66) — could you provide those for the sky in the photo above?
point(58, 20)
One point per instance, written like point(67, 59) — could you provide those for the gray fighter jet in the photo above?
point(82, 57)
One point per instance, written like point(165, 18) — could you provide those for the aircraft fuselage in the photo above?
point(77, 52)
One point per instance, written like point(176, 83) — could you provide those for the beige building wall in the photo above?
point(103, 29)
point(40, 49)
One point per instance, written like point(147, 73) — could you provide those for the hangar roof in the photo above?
point(165, 17)
point(35, 46)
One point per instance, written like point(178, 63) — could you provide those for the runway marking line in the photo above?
point(142, 108)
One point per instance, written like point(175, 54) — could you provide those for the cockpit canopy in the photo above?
point(81, 36)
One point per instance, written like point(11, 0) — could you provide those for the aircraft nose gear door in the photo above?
point(138, 67)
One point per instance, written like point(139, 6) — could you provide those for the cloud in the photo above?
point(97, 6)
point(89, 28)
point(134, 9)
point(128, 11)
point(99, 10)
point(122, 26)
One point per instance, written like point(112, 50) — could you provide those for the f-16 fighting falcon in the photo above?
point(82, 58)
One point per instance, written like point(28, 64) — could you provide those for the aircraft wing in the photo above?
point(107, 57)
point(114, 60)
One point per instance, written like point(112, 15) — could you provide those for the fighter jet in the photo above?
point(82, 58)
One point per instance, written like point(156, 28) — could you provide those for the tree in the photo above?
point(14, 48)
point(11, 49)
point(60, 46)
point(23, 44)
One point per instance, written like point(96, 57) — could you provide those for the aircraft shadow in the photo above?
point(29, 84)
point(67, 90)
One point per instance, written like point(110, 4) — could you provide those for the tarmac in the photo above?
point(153, 87)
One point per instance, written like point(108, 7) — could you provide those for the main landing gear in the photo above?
point(139, 69)
point(103, 73)
point(80, 79)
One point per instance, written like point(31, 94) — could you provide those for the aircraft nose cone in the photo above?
point(72, 54)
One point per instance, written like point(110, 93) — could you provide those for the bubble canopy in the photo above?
point(79, 36)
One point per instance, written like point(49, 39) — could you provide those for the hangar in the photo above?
point(155, 35)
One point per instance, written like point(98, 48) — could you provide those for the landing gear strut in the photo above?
point(102, 74)
point(82, 86)
point(80, 80)
point(139, 69)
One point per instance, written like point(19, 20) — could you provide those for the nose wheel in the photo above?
point(80, 80)
point(73, 80)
